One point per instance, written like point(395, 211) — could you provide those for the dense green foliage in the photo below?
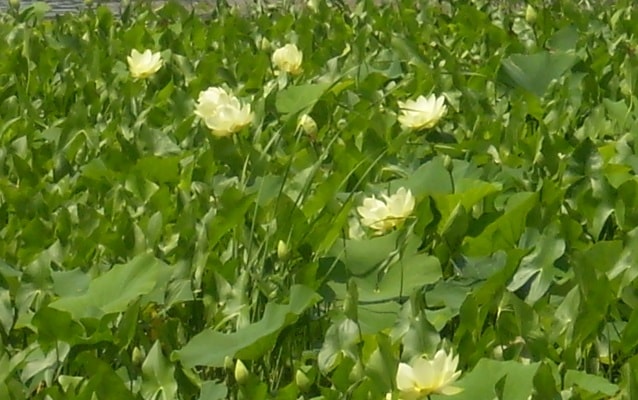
point(139, 253)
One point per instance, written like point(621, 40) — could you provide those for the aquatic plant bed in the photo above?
point(317, 201)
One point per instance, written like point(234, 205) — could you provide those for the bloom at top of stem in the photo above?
point(222, 112)
point(288, 58)
point(423, 377)
point(385, 215)
point(143, 65)
point(424, 112)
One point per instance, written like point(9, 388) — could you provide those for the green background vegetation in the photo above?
point(138, 253)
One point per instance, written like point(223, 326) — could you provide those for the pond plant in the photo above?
point(406, 200)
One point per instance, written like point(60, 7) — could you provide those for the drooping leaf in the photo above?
point(211, 348)
point(113, 291)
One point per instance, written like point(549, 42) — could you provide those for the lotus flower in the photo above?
point(423, 377)
point(143, 65)
point(385, 215)
point(222, 112)
point(424, 112)
point(288, 59)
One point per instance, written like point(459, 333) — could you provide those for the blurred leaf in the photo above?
point(480, 383)
point(296, 98)
point(113, 291)
point(590, 383)
point(340, 341)
point(535, 72)
point(211, 348)
point(538, 266)
point(506, 230)
point(157, 372)
point(212, 390)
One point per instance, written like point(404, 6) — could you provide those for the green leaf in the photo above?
point(591, 383)
point(564, 40)
point(212, 390)
point(361, 256)
point(104, 383)
point(248, 343)
point(506, 230)
point(341, 341)
point(480, 383)
point(538, 266)
point(296, 98)
point(113, 291)
point(158, 381)
point(401, 279)
point(535, 72)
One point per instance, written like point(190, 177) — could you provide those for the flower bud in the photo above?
point(308, 125)
point(137, 357)
point(228, 363)
point(313, 5)
point(530, 14)
point(14, 3)
point(302, 381)
point(241, 373)
point(264, 44)
point(447, 163)
point(282, 250)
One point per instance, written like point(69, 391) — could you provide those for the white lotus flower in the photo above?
point(222, 112)
point(383, 216)
point(424, 377)
point(288, 59)
point(143, 65)
point(400, 204)
point(424, 112)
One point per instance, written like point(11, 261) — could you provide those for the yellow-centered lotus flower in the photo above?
point(424, 112)
point(424, 377)
point(288, 59)
point(385, 215)
point(222, 112)
point(143, 65)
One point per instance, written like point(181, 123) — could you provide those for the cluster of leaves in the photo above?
point(138, 253)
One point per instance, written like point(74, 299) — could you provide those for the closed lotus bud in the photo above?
point(302, 381)
point(282, 250)
point(88, 3)
point(308, 125)
point(137, 357)
point(264, 44)
point(228, 363)
point(14, 3)
point(530, 14)
point(447, 163)
point(313, 5)
point(241, 373)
